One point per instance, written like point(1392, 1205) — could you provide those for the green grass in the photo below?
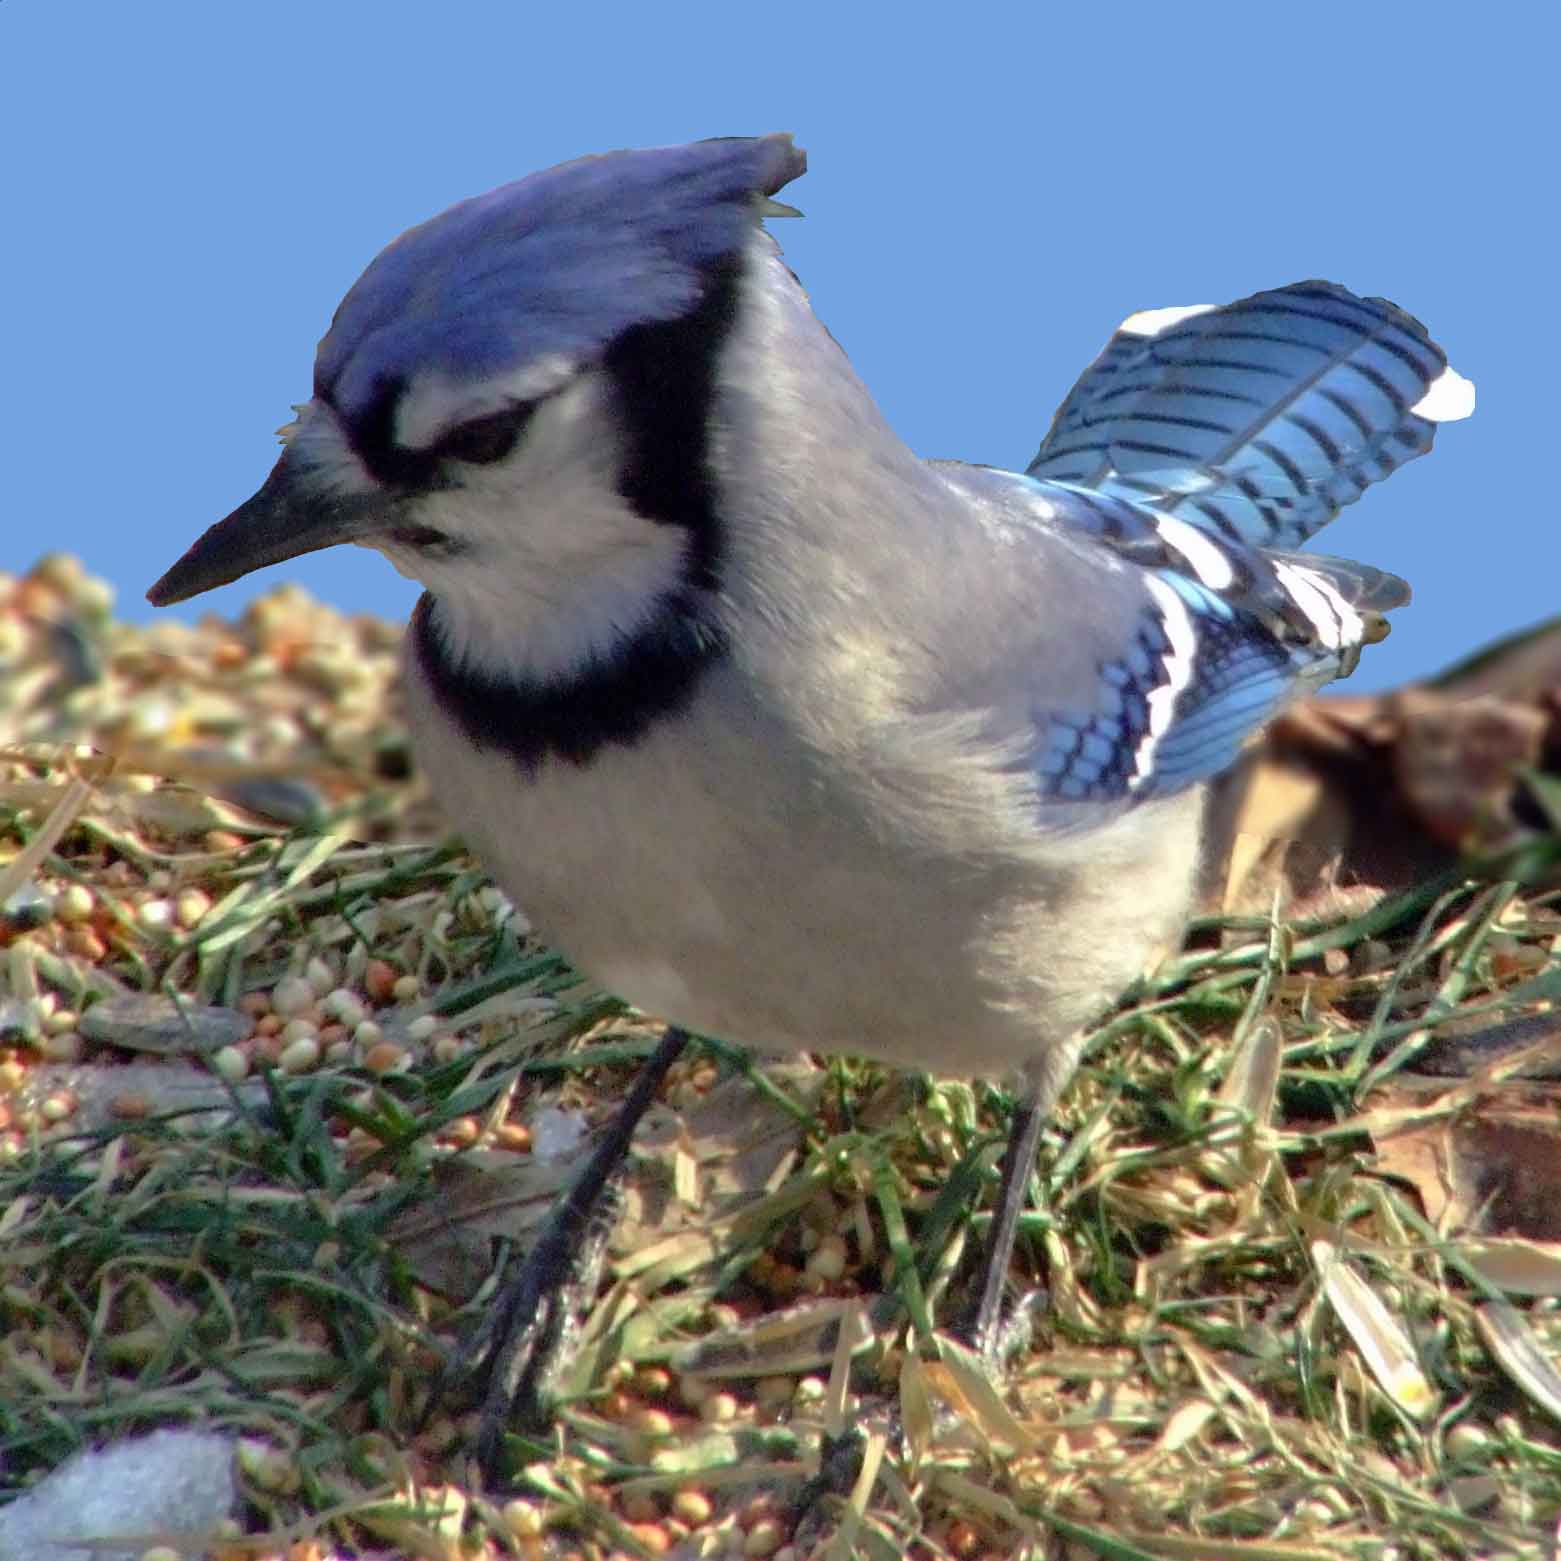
point(1256, 1344)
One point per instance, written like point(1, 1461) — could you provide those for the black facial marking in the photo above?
point(479, 442)
point(663, 381)
point(663, 376)
point(372, 435)
point(614, 698)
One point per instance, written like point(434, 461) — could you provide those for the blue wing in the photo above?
point(1213, 657)
point(1257, 421)
point(1202, 445)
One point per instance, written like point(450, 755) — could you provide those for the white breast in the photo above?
point(714, 875)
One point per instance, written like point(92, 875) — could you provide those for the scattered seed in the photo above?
point(406, 989)
point(652, 1381)
point(300, 1056)
point(1468, 1440)
point(692, 1507)
point(386, 1057)
point(85, 944)
point(764, 1538)
point(291, 995)
point(379, 980)
point(717, 1408)
point(522, 1518)
point(652, 1422)
point(828, 1260)
point(55, 1108)
point(344, 1006)
point(652, 1536)
point(231, 1063)
point(514, 1136)
point(462, 1132)
point(75, 904)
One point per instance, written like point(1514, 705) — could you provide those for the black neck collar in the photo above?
point(615, 698)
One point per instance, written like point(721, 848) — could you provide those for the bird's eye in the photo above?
point(485, 439)
point(423, 538)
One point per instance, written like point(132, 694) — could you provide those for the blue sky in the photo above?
point(191, 187)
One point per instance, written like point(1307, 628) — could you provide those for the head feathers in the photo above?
point(549, 269)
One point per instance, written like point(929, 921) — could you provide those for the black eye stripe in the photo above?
point(484, 440)
point(480, 441)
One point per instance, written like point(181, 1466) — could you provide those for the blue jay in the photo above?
point(776, 730)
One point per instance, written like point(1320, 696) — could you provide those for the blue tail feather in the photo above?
point(1257, 421)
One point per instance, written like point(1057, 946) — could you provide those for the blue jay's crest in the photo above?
point(1259, 420)
point(537, 277)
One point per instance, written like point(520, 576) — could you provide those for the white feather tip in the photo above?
point(1450, 397)
point(1152, 322)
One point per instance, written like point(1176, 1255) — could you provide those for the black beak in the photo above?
point(285, 519)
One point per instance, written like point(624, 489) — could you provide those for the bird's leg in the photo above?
point(983, 1327)
point(534, 1311)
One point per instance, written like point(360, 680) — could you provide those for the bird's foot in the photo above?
point(521, 1348)
point(998, 1340)
point(523, 1343)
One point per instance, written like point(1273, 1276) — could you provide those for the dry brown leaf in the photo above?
point(1345, 799)
point(1519, 1267)
point(1490, 1166)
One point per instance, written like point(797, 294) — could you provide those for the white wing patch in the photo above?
point(1336, 623)
point(1204, 556)
point(1177, 662)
